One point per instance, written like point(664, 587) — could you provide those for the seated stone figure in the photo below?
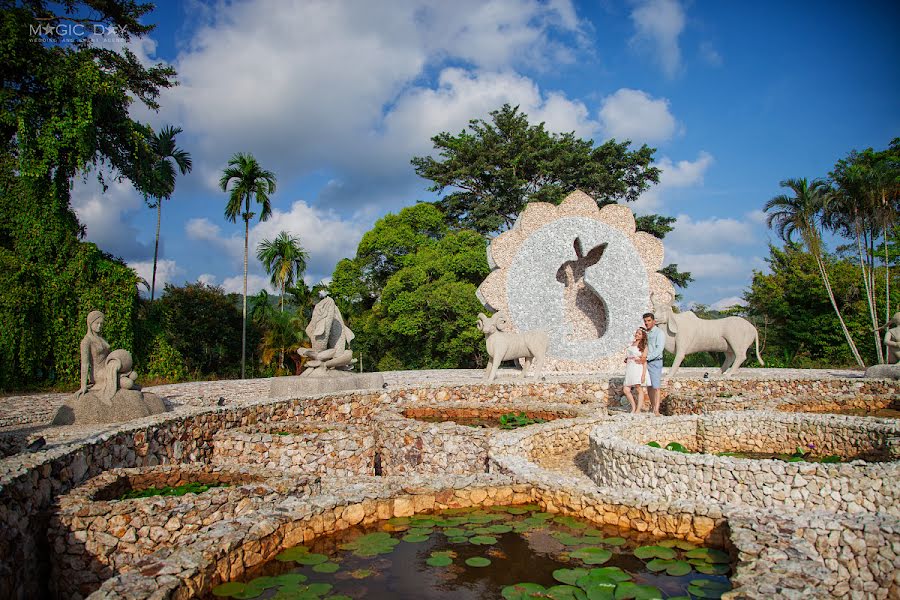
point(109, 390)
point(892, 340)
point(329, 338)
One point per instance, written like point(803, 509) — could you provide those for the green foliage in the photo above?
point(498, 167)
point(203, 324)
point(514, 421)
point(165, 362)
point(178, 490)
point(284, 259)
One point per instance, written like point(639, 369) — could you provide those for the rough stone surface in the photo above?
point(337, 382)
point(884, 371)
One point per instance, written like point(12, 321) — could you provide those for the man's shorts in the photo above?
point(654, 370)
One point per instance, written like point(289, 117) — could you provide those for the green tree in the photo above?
point(498, 166)
point(165, 153)
point(284, 259)
point(251, 182)
point(800, 213)
point(65, 112)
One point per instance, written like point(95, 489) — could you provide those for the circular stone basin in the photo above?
point(619, 456)
point(483, 417)
point(95, 533)
point(470, 554)
point(309, 448)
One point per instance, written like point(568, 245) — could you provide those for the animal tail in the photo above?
point(758, 357)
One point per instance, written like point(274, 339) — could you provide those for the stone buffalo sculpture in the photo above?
point(529, 347)
point(686, 333)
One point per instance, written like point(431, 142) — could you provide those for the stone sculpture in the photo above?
point(329, 365)
point(109, 391)
point(686, 333)
point(581, 273)
point(529, 347)
point(329, 337)
point(892, 340)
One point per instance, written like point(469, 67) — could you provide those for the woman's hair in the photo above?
point(642, 343)
point(93, 316)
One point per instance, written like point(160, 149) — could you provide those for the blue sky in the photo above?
point(336, 96)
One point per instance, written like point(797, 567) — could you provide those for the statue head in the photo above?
point(94, 321)
point(895, 320)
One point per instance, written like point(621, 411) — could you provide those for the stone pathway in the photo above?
point(572, 463)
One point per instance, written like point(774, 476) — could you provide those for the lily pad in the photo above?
point(613, 573)
point(707, 588)
point(319, 589)
point(415, 539)
point(680, 544)
point(627, 590)
point(523, 591)
point(399, 521)
point(291, 554)
point(454, 532)
point(566, 592)
point(645, 552)
point(499, 528)
point(711, 555)
point(265, 582)
point(711, 569)
point(516, 510)
point(570, 522)
point(419, 531)
point(570, 576)
point(290, 579)
point(458, 540)
point(675, 568)
point(614, 541)
point(439, 561)
point(361, 573)
point(311, 559)
point(483, 540)
point(326, 567)
point(249, 593)
point(229, 589)
point(339, 597)
point(592, 555)
point(478, 561)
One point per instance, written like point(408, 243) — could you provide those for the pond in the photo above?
point(511, 552)
point(485, 418)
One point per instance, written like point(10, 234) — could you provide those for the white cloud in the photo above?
point(633, 114)
point(711, 233)
point(255, 283)
point(710, 55)
point(107, 215)
point(759, 217)
point(659, 23)
point(681, 174)
point(167, 271)
point(721, 265)
point(207, 279)
point(728, 302)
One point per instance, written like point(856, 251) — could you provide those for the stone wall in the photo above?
point(94, 535)
point(619, 457)
point(695, 396)
point(302, 448)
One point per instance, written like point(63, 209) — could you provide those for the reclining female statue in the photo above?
point(109, 390)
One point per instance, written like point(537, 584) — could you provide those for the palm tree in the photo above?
point(250, 181)
point(284, 259)
point(799, 214)
point(162, 174)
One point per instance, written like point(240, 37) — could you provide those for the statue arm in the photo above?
point(85, 366)
point(890, 341)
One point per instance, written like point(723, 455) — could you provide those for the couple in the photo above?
point(643, 361)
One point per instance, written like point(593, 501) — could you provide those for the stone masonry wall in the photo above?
point(619, 457)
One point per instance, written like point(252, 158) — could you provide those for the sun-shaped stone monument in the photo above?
point(580, 273)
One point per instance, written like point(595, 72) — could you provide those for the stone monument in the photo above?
point(329, 365)
point(891, 370)
point(580, 273)
point(109, 391)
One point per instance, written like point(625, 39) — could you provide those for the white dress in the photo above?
point(634, 370)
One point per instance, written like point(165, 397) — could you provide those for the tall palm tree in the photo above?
point(250, 182)
point(284, 259)
point(800, 214)
point(162, 174)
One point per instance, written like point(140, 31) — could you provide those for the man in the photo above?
point(656, 342)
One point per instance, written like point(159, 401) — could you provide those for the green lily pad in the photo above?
point(265, 582)
point(415, 539)
point(565, 592)
point(311, 559)
point(614, 541)
point(567, 539)
point(439, 561)
point(249, 593)
point(419, 531)
point(711, 555)
point(570, 522)
point(569, 576)
point(612, 573)
point(523, 591)
point(601, 592)
point(478, 561)
point(339, 597)
point(707, 588)
point(711, 569)
point(229, 589)
point(675, 568)
point(645, 552)
point(361, 573)
point(454, 532)
point(291, 554)
point(399, 521)
point(592, 555)
point(290, 579)
point(319, 589)
point(499, 528)
point(680, 544)
point(458, 540)
point(627, 590)
point(516, 510)
point(326, 567)
point(596, 580)
point(483, 540)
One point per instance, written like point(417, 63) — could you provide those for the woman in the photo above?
point(636, 370)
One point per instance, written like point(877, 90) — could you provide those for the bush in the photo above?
point(166, 363)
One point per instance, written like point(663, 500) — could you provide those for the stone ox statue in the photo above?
point(529, 347)
point(686, 333)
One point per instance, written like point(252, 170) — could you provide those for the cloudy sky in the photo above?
point(336, 96)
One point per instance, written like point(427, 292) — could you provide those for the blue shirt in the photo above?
point(656, 342)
